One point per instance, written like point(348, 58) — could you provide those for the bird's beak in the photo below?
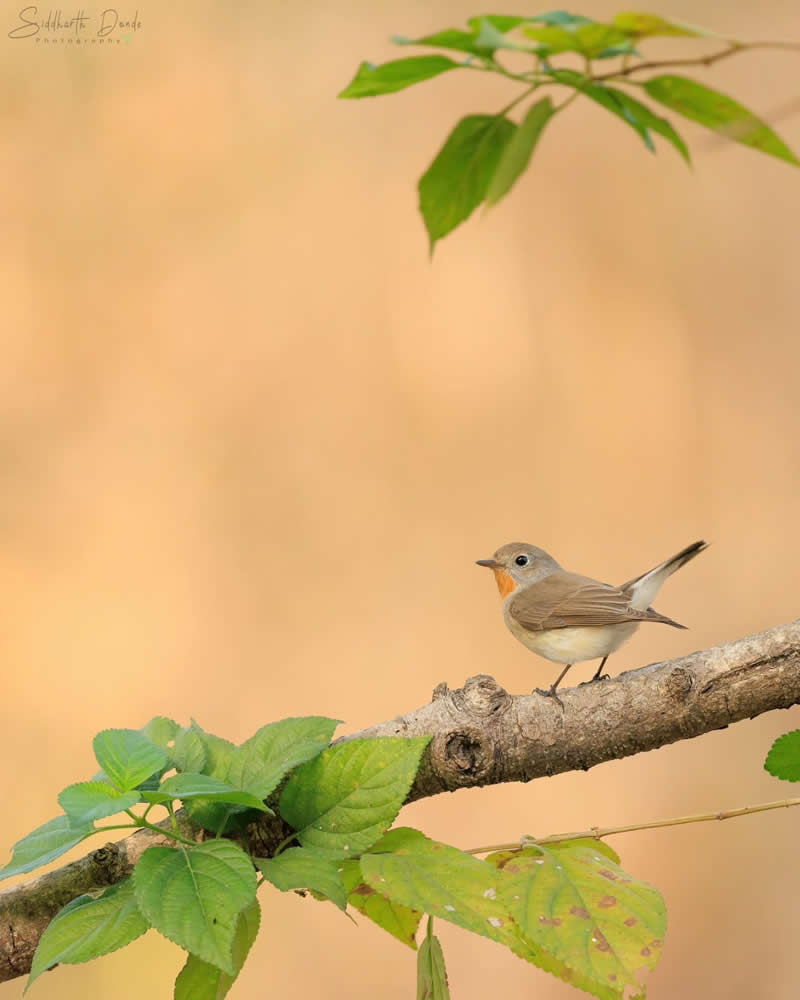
point(489, 563)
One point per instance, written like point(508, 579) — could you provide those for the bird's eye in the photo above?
point(522, 560)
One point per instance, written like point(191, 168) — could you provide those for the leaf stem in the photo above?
point(221, 826)
point(173, 834)
point(141, 822)
point(173, 821)
point(515, 102)
point(597, 832)
point(499, 71)
point(572, 97)
point(116, 826)
point(284, 844)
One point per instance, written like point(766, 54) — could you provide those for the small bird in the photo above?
point(568, 618)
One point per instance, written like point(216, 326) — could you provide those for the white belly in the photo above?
point(574, 644)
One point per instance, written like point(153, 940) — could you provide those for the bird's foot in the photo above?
point(597, 677)
point(549, 693)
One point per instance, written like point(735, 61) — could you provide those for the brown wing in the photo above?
point(565, 599)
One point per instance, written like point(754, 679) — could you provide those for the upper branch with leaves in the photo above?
point(485, 154)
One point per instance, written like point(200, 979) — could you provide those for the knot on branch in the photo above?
point(463, 757)
point(481, 696)
point(680, 682)
point(108, 865)
point(465, 754)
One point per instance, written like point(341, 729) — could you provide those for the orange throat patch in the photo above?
point(505, 584)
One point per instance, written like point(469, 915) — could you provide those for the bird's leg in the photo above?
point(599, 675)
point(551, 691)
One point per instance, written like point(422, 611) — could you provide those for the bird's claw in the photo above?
point(549, 693)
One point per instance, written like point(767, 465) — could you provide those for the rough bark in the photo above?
point(482, 736)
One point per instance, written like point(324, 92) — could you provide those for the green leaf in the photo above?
point(187, 786)
point(45, 844)
point(298, 868)
point(151, 784)
point(598, 41)
point(589, 39)
point(189, 751)
point(783, 759)
point(459, 177)
point(518, 152)
point(585, 911)
point(127, 757)
point(219, 753)
point(87, 928)
point(473, 894)
point(261, 762)
point(489, 38)
point(400, 921)
point(402, 838)
point(502, 22)
point(608, 98)
point(635, 114)
point(216, 752)
point(719, 113)
point(553, 38)
point(216, 755)
point(218, 816)
point(486, 34)
point(524, 948)
point(198, 980)
point(445, 882)
point(193, 896)
point(160, 730)
point(442, 881)
point(451, 38)
point(593, 844)
point(431, 972)
point(90, 800)
point(370, 80)
point(634, 110)
point(638, 25)
point(344, 799)
point(561, 17)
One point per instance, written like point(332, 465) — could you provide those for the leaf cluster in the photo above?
point(566, 906)
point(485, 154)
point(569, 909)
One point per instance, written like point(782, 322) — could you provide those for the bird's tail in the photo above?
point(643, 589)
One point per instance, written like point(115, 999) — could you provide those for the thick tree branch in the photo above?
point(484, 736)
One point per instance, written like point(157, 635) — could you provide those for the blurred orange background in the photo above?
point(252, 440)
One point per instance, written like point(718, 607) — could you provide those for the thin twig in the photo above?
point(597, 832)
point(708, 60)
point(515, 102)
